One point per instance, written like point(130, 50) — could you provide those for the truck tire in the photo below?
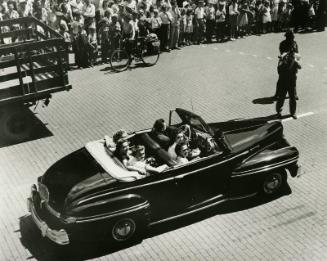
point(16, 124)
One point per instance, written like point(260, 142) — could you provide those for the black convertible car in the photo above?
point(89, 195)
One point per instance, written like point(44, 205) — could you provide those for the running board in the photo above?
point(222, 200)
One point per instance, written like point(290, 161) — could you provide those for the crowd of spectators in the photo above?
point(91, 27)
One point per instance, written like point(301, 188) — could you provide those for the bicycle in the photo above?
point(146, 49)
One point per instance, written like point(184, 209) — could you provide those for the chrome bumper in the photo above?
point(58, 236)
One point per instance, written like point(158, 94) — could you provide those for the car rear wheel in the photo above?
point(274, 182)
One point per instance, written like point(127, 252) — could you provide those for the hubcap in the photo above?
point(123, 229)
point(272, 183)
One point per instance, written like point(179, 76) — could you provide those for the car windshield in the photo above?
point(193, 120)
point(196, 123)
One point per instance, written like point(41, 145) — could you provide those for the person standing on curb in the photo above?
point(175, 24)
point(287, 69)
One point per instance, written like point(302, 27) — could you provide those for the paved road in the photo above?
point(220, 82)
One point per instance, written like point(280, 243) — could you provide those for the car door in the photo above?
point(160, 191)
point(203, 180)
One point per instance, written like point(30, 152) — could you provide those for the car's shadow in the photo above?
point(44, 250)
point(37, 131)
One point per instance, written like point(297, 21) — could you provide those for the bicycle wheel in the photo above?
point(150, 53)
point(119, 60)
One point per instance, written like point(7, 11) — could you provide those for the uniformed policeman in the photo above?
point(287, 70)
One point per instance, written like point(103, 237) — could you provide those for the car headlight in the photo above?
point(44, 192)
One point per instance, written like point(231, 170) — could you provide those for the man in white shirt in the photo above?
point(89, 15)
point(199, 21)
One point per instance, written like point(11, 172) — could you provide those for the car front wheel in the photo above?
point(273, 182)
point(123, 229)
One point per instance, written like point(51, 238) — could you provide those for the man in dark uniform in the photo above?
point(160, 133)
point(287, 70)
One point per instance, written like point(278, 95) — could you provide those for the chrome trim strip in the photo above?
point(206, 201)
point(263, 169)
point(167, 179)
point(51, 210)
point(115, 214)
point(200, 209)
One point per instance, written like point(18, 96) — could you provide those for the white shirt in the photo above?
point(181, 160)
point(199, 12)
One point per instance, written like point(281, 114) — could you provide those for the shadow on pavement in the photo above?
point(32, 128)
point(265, 100)
point(221, 209)
point(132, 66)
point(44, 250)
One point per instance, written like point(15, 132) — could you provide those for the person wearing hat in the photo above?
point(287, 69)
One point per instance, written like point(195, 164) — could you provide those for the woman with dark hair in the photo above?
point(122, 151)
point(182, 151)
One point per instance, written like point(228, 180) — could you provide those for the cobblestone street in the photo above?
point(219, 82)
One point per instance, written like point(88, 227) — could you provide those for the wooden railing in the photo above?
point(33, 61)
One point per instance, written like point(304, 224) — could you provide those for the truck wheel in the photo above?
point(273, 182)
point(16, 124)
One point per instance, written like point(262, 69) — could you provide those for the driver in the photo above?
point(159, 133)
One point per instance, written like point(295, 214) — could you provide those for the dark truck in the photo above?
point(33, 65)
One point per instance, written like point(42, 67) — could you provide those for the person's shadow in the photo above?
point(44, 250)
point(264, 100)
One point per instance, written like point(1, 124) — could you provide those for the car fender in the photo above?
point(267, 160)
point(250, 172)
point(91, 209)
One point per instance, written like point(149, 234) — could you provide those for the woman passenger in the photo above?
point(137, 162)
point(182, 151)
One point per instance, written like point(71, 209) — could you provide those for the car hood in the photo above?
point(73, 176)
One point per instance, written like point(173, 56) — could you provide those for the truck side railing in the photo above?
point(33, 61)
